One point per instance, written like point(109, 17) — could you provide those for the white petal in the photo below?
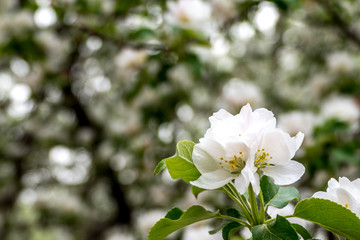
point(346, 199)
point(275, 143)
point(256, 184)
point(206, 155)
point(241, 184)
point(332, 184)
point(213, 180)
point(323, 195)
point(248, 175)
point(262, 115)
point(245, 112)
point(285, 174)
point(299, 139)
point(356, 183)
point(295, 143)
point(236, 147)
point(287, 210)
point(219, 115)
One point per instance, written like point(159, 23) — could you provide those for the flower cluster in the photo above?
point(343, 192)
point(242, 148)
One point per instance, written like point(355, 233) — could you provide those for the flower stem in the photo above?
point(233, 196)
point(262, 208)
point(235, 220)
point(254, 207)
point(242, 199)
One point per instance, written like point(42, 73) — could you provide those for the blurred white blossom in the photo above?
point(223, 10)
point(129, 60)
point(295, 121)
point(343, 192)
point(237, 93)
point(340, 62)
point(147, 219)
point(343, 108)
point(193, 14)
point(285, 211)
point(200, 233)
point(266, 17)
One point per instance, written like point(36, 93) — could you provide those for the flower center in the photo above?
point(261, 158)
point(183, 17)
point(233, 165)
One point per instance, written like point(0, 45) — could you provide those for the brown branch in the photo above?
point(123, 213)
point(117, 41)
point(341, 24)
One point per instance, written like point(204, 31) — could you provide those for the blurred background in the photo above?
point(94, 93)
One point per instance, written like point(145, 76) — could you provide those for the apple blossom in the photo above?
point(343, 108)
point(273, 155)
point(238, 92)
point(343, 192)
point(188, 13)
point(243, 146)
point(285, 211)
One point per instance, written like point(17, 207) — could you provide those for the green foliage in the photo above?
point(331, 150)
point(286, 5)
point(161, 166)
point(196, 191)
point(25, 47)
point(268, 188)
point(284, 196)
point(276, 229)
point(166, 226)
point(174, 213)
point(230, 229)
point(301, 231)
point(180, 165)
point(330, 216)
point(277, 196)
point(229, 212)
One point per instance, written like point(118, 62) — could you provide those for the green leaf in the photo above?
point(196, 191)
point(229, 212)
point(302, 231)
point(180, 165)
point(233, 212)
point(268, 188)
point(174, 213)
point(329, 215)
point(230, 229)
point(277, 196)
point(166, 226)
point(160, 167)
point(284, 196)
point(280, 228)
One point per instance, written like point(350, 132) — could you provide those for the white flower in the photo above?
point(343, 108)
point(243, 146)
point(273, 155)
point(130, 59)
point(237, 93)
point(285, 211)
point(340, 62)
point(188, 13)
point(200, 233)
point(219, 166)
point(145, 220)
point(224, 10)
point(293, 122)
point(344, 192)
point(222, 155)
point(246, 125)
